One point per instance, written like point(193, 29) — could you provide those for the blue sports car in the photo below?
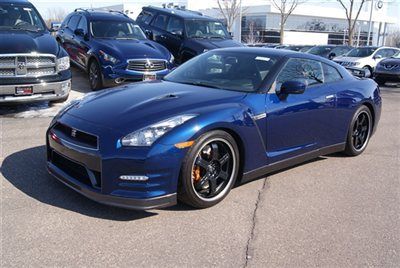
point(227, 116)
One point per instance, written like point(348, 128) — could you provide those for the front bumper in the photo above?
point(387, 75)
point(110, 74)
point(43, 91)
point(96, 172)
point(129, 203)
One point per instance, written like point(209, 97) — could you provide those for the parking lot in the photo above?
point(333, 211)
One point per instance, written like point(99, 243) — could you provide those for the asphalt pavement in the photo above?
point(334, 211)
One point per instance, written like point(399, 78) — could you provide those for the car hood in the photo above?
point(28, 42)
point(347, 59)
point(390, 61)
point(133, 106)
point(134, 49)
point(216, 43)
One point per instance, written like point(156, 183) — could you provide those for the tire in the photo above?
point(359, 132)
point(209, 170)
point(95, 78)
point(367, 68)
point(380, 81)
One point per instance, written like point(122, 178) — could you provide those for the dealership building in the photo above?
point(313, 22)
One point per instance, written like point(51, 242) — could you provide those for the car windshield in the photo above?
point(205, 29)
point(225, 70)
point(319, 50)
point(397, 55)
point(361, 52)
point(16, 17)
point(116, 30)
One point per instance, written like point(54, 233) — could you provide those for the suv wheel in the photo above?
point(95, 79)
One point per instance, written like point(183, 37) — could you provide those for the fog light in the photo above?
point(133, 178)
point(65, 87)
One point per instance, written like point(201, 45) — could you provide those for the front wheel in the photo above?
point(359, 132)
point(95, 79)
point(209, 170)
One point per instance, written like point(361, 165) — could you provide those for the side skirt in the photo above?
point(257, 173)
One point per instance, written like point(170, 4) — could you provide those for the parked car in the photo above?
point(112, 48)
point(366, 57)
point(33, 67)
point(300, 48)
point(388, 70)
point(228, 114)
point(329, 51)
point(185, 33)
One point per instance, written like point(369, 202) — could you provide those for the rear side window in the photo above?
point(175, 25)
point(331, 74)
point(145, 16)
point(304, 70)
point(160, 21)
point(82, 24)
point(73, 22)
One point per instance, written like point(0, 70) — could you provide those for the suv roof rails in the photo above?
point(87, 10)
point(180, 8)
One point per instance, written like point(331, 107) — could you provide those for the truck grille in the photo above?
point(147, 65)
point(27, 65)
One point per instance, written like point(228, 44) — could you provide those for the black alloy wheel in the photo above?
point(209, 170)
point(359, 132)
point(95, 76)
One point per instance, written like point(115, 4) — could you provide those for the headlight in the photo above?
point(108, 57)
point(63, 64)
point(146, 136)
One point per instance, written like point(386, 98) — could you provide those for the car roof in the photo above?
point(183, 13)
point(16, 2)
point(100, 14)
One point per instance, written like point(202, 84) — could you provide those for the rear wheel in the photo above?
point(209, 170)
point(359, 132)
point(95, 79)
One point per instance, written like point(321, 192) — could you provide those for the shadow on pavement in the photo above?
point(26, 170)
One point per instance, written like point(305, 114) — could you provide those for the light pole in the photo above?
point(358, 35)
point(370, 22)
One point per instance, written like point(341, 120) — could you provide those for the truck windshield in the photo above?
point(116, 30)
point(16, 17)
point(205, 29)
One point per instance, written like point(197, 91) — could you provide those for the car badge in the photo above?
point(73, 133)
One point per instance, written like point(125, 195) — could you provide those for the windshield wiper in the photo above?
point(217, 36)
point(201, 84)
point(26, 29)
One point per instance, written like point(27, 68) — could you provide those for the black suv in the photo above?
point(33, 66)
point(185, 33)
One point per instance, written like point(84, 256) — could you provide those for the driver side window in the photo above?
point(303, 70)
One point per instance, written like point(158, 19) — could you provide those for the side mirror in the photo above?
point(292, 87)
point(149, 34)
point(79, 32)
point(331, 56)
point(377, 57)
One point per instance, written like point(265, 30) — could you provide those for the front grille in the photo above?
point(346, 63)
point(27, 65)
point(147, 65)
point(75, 170)
point(77, 137)
point(391, 66)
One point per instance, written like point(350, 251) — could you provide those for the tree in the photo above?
point(55, 15)
point(286, 8)
point(252, 36)
point(393, 39)
point(350, 8)
point(230, 10)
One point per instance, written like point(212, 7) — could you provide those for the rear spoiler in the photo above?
point(359, 72)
